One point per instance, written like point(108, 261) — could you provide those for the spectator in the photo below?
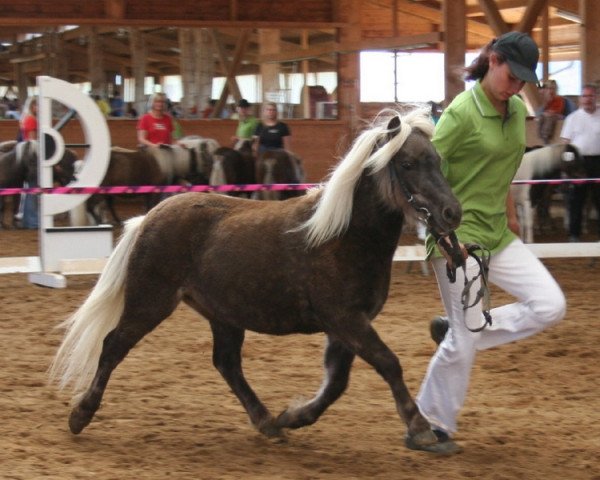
point(102, 105)
point(246, 123)
point(271, 134)
point(28, 214)
point(436, 111)
point(156, 127)
point(28, 124)
point(209, 109)
point(555, 108)
point(12, 109)
point(582, 129)
point(116, 105)
point(130, 111)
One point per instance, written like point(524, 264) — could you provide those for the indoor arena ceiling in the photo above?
point(308, 30)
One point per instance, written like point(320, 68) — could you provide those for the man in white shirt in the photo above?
point(582, 129)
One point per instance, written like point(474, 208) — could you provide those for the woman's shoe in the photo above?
point(438, 328)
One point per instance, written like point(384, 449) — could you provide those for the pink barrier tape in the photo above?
point(123, 190)
point(557, 181)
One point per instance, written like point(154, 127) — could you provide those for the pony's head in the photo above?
point(398, 154)
point(409, 176)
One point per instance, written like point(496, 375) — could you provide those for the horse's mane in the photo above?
point(334, 208)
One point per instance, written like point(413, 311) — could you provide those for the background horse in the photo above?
point(234, 167)
point(541, 163)
point(334, 249)
point(165, 165)
point(205, 149)
point(19, 164)
point(279, 166)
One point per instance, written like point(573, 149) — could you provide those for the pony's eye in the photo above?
point(406, 165)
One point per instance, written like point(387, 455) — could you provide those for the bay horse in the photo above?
point(19, 164)
point(548, 162)
point(165, 165)
point(279, 166)
point(334, 249)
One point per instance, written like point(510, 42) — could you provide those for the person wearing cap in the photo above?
point(481, 140)
point(246, 123)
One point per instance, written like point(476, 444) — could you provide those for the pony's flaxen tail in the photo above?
point(77, 358)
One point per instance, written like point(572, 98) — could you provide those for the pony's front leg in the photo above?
point(358, 335)
point(337, 362)
point(227, 359)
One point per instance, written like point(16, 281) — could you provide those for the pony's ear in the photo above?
point(393, 127)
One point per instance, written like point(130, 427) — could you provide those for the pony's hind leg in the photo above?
point(131, 329)
point(227, 359)
point(337, 362)
point(114, 350)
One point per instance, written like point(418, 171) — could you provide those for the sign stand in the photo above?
point(70, 250)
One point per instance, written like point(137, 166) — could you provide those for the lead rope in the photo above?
point(483, 260)
point(483, 294)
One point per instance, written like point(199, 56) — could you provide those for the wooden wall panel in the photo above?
point(377, 19)
point(32, 9)
point(286, 11)
point(155, 12)
point(213, 10)
point(318, 143)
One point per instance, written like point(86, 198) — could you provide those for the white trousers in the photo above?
point(540, 303)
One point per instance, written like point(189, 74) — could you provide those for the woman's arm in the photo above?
point(143, 138)
point(511, 215)
point(287, 143)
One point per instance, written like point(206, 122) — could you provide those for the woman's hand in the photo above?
point(445, 247)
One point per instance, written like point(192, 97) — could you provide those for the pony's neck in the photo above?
point(371, 218)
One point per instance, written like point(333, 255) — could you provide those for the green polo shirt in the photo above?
point(481, 152)
point(246, 128)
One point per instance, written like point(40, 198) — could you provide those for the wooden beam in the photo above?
point(435, 16)
point(455, 45)
point(30, 58)
point(534, 10)
point(493, 17)
point(231, 85)
point(395, 43)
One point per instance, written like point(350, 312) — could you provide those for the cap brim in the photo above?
point(522, 73)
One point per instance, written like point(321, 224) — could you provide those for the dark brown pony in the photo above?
point(126, 167)
point(279, 166)
point(334, 248)
point(19, 164)
point(234, 166)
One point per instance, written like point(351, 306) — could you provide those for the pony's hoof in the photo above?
point(425, 442)
point(271, 430)
point(78, 420)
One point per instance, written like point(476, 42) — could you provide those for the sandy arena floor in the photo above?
point(532, 410)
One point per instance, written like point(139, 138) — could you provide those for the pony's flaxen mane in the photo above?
point(334, 208)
